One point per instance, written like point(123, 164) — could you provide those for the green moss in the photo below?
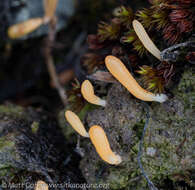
point(12, 110)
point(167, 161)
point(7, 170)
point(87, 108)
point(186, 87)
point(4, 143)
point(138, 128)
point(170, 123)
point(117, 181)
point(8, 155)
point(35, 126)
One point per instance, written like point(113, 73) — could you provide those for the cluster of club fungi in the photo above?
point(119, 71)
point(168, 22)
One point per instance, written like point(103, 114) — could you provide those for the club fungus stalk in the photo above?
point(87, 91)
point(121, 73)
point(50, 40)
point(145, 39)
point(76, 123)
point(102, 146)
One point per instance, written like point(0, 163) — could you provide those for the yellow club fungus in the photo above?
point(24, 28)
point(41, 185)
point(121, 73)
point(145, 39)
point(49, 8)
point(88, 93)
point(76, 123)
point(102, 146)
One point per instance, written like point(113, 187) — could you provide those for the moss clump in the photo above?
point(12, 110)
point(7, 155)
point(35, 127)
point(5, 144)
point(117, 181)
point(32, 148)
point(186, 87)
point(138, 128)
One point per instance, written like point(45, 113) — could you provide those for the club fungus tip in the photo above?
point(87, 91)
point(102, 146)
point(76, 123)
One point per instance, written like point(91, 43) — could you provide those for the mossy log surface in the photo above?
point(33, 148)
point(168, 144)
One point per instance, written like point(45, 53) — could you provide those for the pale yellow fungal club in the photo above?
point(49, 8)
point(102, 146)
point(121, 73)
point(76, 123)
point(41, 185)
point(87, 91)
point(24, 28)
point(145, 39)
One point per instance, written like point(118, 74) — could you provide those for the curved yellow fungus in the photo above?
point(102, 146)
point(24, 28)
point(41, 185)
point(76, 123)
point(145, 39)
point(120, 72)
point(88, 93)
